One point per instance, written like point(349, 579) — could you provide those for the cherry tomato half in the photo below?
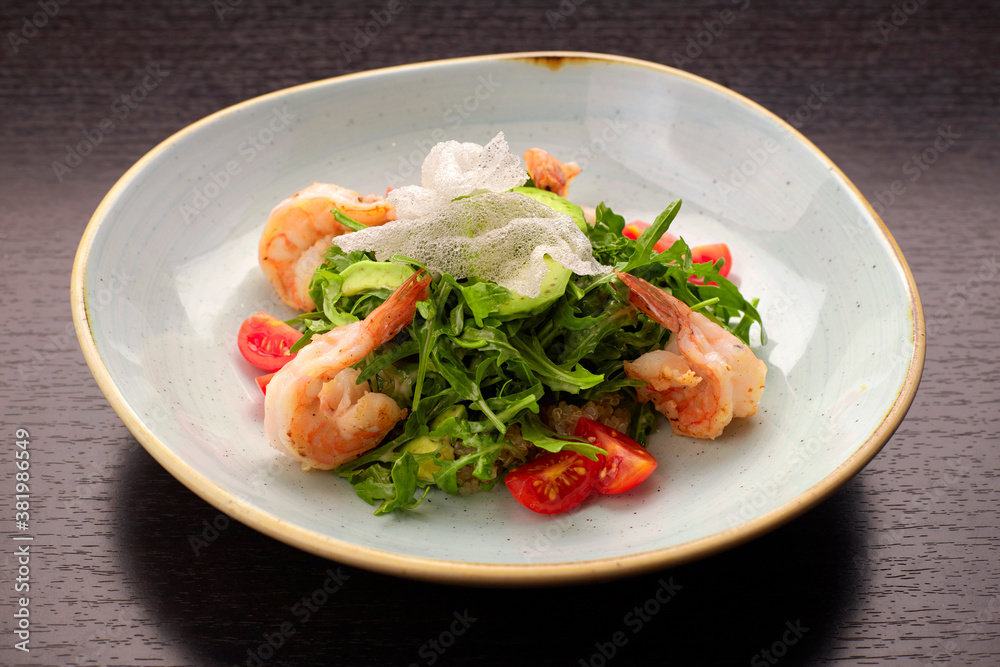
point(634, 230)
point(553, 482)
point(263, 381)
point(699, 254)
point(712, 252)
point(627, 464)
point(264, 341)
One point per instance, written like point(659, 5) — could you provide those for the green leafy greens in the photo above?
point(457, 352)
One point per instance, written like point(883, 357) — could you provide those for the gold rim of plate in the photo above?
point(446, 571)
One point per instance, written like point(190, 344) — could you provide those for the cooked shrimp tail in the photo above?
point(549, 173)
point(301, 228)
point(392, 316)
point(655, 303)
point(315, 411)
point(704, 377)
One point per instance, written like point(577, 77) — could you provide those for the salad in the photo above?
point(481, 328)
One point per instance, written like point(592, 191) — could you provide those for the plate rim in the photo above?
point(479, 573)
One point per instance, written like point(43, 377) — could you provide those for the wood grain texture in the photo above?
point(901, 566)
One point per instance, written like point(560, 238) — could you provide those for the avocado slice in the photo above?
point(426, 445)
point(556, 203)
point(553, 286)
point(456, 411)
point(366, 275)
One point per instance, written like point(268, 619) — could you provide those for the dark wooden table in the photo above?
point(902, 565)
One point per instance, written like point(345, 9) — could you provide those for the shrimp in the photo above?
point(315, 411)
point(704, 377)
point(549, 173)
point(301, 228)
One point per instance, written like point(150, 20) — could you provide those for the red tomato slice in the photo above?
point(627, 464)
point(262, 382)
point(554, 482)
point(699, 254)
point(712, 252)
point(264, 341)
point(634, 230)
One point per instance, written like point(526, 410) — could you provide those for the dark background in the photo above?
point(901, 565)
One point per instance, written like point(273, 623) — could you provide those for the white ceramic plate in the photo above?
point(167, 270)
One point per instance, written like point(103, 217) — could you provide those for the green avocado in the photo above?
point(426, 445)
point(556, 203)
point(456, 411)
point(366, 275)
point(554, 283)
point(553, 286)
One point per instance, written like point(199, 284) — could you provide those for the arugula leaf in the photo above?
point(449, 366)
point(610, 387)
point(455, 352)
point(426, 335)
point(380, 360)
point(646, 241)
point(555, 376)
point(582, 341)
point(373, 484)
point(606, 217)
point(535, 432)
point(483, 298)
point(404, 485)
point(347, 221)
point(394, 486)
point(482, 458)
